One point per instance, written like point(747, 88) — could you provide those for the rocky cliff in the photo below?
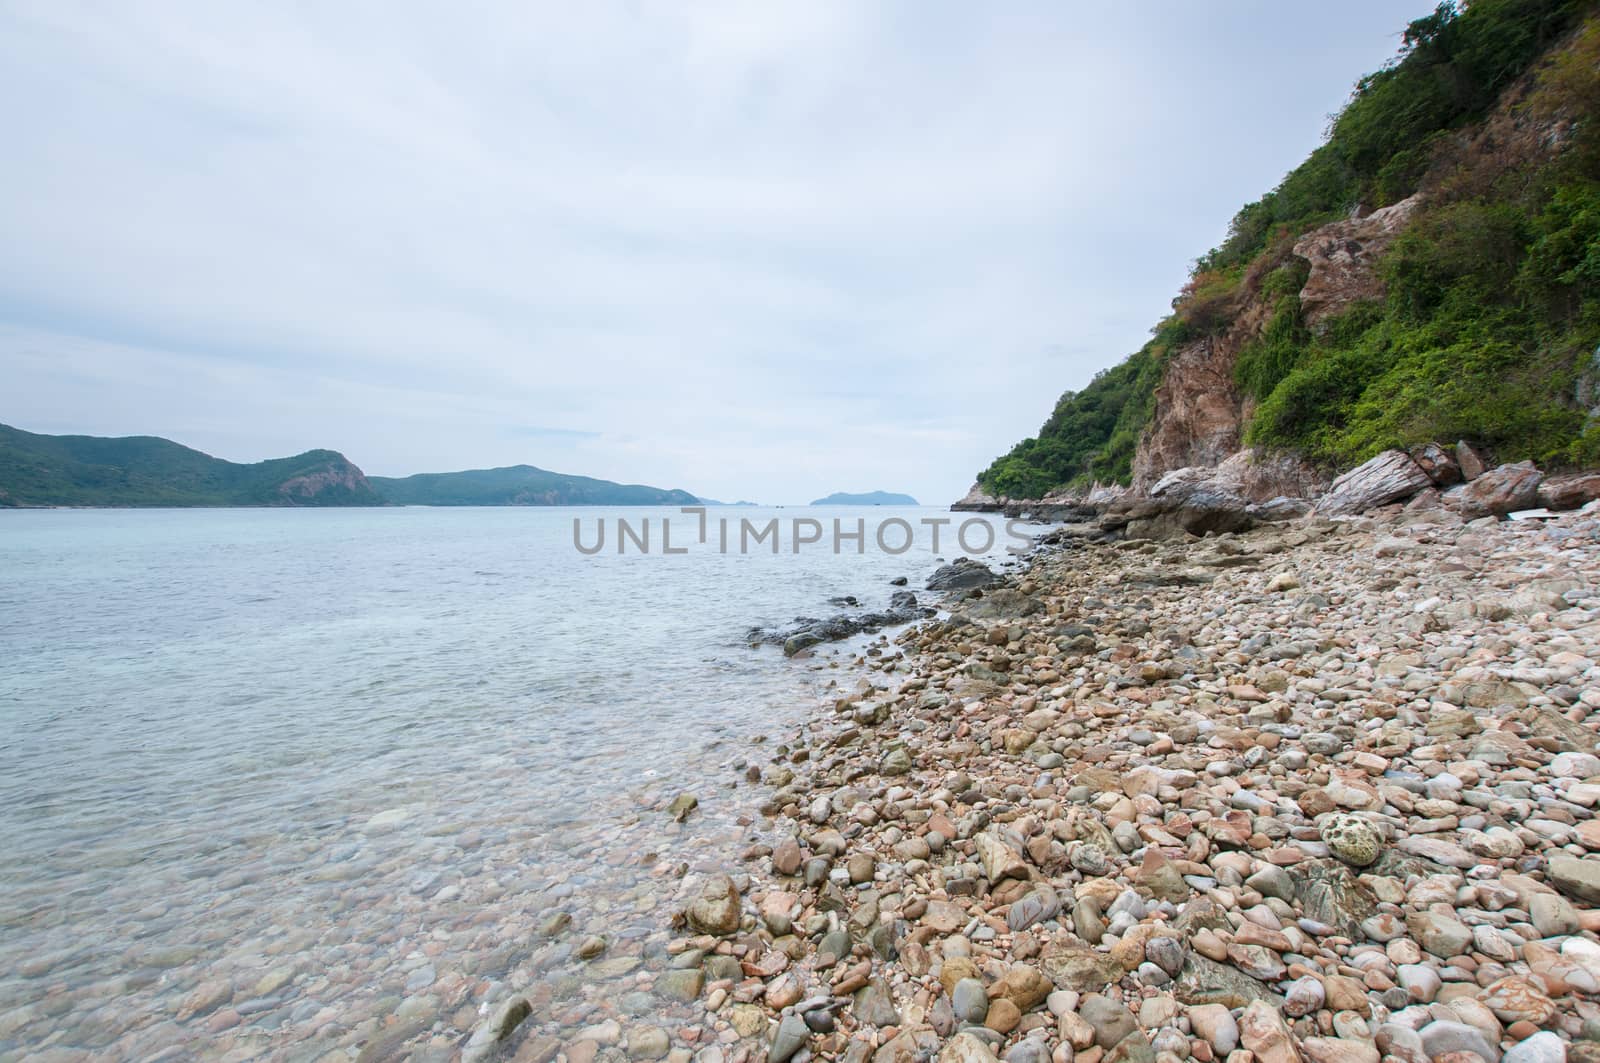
point(1454, 294)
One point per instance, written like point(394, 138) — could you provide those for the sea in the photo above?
point(331, 783)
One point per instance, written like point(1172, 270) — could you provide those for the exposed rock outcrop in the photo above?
point(1344, 257)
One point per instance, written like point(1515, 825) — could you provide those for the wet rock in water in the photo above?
point(682, 805)
point(648, 1043)
point(500, 1024)
point(1351, 839)
point(682, 986)
point(716, 909)
point(962, 574)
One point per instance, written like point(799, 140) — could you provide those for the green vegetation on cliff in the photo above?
point(41, 470)
point(1491, 320)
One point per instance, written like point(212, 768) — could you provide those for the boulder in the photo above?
point(1440, 464)
point(1344, 256)
point(1570, 491)
point(1390, 477)
point(1469, 461)
point(977, 500)
point(962, 574)
point(1499, 491)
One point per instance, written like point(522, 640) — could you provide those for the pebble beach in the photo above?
point(1324, 791)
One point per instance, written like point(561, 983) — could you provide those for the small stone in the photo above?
point(791, 1035)
point(1542, 1047)
point(1442, 1036)
point(970, 1001)
point(1216, 1024)
point(1110, 1019)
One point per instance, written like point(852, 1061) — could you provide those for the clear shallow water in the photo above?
point(343, 763)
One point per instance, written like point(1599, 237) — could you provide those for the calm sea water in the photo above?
point(317, 756)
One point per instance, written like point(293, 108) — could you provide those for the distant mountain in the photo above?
point(521, 485)
point(41, 470)
point(871, 498)
point(713, 502)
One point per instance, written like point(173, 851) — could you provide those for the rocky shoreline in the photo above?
point(1324, 790)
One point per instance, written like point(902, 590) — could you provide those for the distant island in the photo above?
point(521, 485)
point(871, 498)
point(713, 502)
point(40, 470)
point(43, 470)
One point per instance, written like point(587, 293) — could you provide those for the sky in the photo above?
point(759, 251)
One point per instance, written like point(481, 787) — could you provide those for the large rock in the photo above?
point(1570, 491)
point(716, 909)
point(1084, 970)
point(1499, 491)
point(1204, 981)
point(1440, 464)
point(1392, 476)
point(977, 500)
point(962, 574)
point(1575, 877)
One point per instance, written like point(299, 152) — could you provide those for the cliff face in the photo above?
point(1200, 412)
point(1426, 274)
point(338, 482)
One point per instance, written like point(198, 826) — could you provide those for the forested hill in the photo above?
point(42, 470)
point(1431, 271)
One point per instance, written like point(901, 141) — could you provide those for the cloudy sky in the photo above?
point(754, 250)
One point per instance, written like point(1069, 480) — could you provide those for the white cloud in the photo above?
point(764, 251)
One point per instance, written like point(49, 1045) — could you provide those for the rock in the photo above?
point(1338, 1050)
point(1570, 491)
point(874, 1004)
point(790, 1036)
point(1351, 839)
point(716, 910)
point(682, 986)
point(1036, 907)
point(1442, 1035)
point(1305, 996)
point(1000, 860)
point(1262, 1032)
point(1081, 969)
point(494, 1030)
point(1440, 464)
point(682, 805)
point(1552, 916)
point(1343, 256)
point(1439, 934)
point(1110, 1019)
point(970, 1001)
point(1420, 981)
point(1575, 877)
point(1204, 981)
point(1501, 490)
point(964, 1048)
point(205, 998)
point(1390, 477)
point(1003, 1016)
point(1024, 986)
point(1215, 1023)
point(786, 857)
point(1515, 998)
point(896, 762)
point(1470, 461)
point(648, 1042)
point(1543, 1047)
point(962, 574)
